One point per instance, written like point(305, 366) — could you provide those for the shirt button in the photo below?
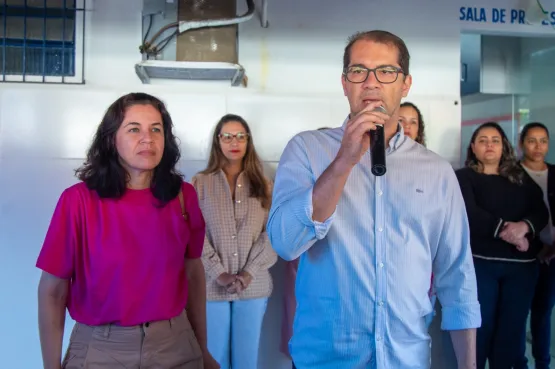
point(380, 303)
point(238, 184)
point(238, 201)
point(234, 236)
point(380, 229)
point(380, 193)
point(378, 338)
point(381, 265)
point(234, 254)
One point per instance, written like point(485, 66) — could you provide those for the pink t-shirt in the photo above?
point(125, 257)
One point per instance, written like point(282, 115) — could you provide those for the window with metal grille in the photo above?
point(42, 41)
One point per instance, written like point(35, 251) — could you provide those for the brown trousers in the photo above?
point(158, 345)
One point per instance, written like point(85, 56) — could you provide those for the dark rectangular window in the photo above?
point(38, 38)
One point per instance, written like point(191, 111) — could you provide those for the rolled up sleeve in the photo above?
point(302, 209)
point(290, 226)
point(453, 267)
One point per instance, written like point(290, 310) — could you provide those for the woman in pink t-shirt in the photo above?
point(122, 252)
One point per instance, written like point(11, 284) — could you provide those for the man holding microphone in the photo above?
point(368, 244)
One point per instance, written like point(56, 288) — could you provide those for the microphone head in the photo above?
point(380, 109)
point(378, 170)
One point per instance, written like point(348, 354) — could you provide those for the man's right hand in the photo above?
point(356, 139)
point(226, 279)
point(355, 142)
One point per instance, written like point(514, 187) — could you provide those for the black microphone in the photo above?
point(377, 147)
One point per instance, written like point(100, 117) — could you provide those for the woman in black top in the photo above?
point(534, 143)
point(506, 213)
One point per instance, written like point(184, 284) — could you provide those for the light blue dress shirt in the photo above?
point(364, 274)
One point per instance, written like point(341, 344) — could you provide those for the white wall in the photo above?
point(481, 108)
point(293, 68)
point(542, 107)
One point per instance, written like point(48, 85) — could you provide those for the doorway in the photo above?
point(511, 81)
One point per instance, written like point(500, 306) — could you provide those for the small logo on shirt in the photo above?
point(419, 190)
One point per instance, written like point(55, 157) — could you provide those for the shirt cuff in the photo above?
point(499, 228)
point(303, 211)
point(531, 227)
point(251, 269)
point(459, 317)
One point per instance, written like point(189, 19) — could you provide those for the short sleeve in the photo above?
point(196, 222)
point(57, 254)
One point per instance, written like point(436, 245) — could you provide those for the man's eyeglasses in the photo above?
point(228, 137)
point(384, 74)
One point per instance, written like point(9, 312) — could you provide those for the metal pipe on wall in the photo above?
point(264, 14)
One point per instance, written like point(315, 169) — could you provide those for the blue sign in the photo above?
point(499, 15)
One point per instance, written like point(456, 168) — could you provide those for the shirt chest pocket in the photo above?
point(415, 200)
point(415, 209)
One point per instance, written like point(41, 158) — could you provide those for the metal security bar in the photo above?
point(42, 41)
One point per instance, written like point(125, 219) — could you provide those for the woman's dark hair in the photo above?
point(421, 135)
point(530, 126)
point(102, 170)
point(252, 165)
point(508, 164)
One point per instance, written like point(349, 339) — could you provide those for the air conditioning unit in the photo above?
point(193, 40)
